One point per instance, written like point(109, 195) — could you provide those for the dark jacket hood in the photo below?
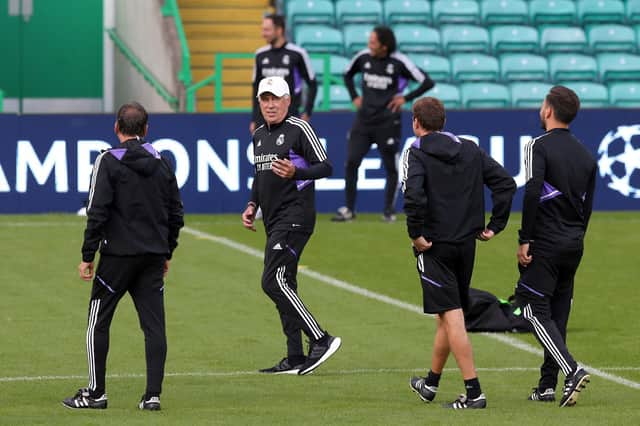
point(442, 145)
point(138, 155)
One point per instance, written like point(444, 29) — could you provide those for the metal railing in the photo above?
point(170, 8)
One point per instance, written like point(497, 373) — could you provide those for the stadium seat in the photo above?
point(633, 11)
point(618, 66)
point(464, 38)
point(438, 67)
point(600, 11)
point(356, 38)
point(358, 12)
point(469, 67)
point(543, 12)
point(592, 95)
point(513, 38)
point(573, 66)
point(320, 12)
point(455, 12)
point(523, 67)
point(448, 94)
point(339, 98)
point(625, 95)
point(558, 39)
point(407, 12)
point(611, 38)
point(337, 66)
point(320, 38)
point(485, 95)
point(528, 94)
point(417, 38)
point(504, 12)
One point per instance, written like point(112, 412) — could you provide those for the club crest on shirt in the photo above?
point(285, 59)
point(389, 68)
point(367, 65)
point(265, 61)
point(259, 142)
point(280, 140)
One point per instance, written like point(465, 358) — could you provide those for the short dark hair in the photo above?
point(564, 102)
point(278, 20)
point(386, 37)
point(132, 119)
point(430, 113)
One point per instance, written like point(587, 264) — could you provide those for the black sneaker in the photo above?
point(463, 403)
point(549, 395)
point(573, 384)
point(283, 367)
point(319, 353)
point(83, 399)
point(419, 386)
point(151, 404)
point(344, 214)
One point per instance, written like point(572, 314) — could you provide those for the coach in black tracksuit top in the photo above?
point(385, 75)
point(134, 216)
point(557, 204)
point(288, 157)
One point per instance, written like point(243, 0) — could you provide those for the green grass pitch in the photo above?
point(222, 328)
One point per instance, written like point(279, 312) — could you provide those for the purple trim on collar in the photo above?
point(151, 150)
point(416, 143)
point(451, 136)
point(118, 152)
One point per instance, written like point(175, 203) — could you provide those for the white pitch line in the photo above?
point(508, 340)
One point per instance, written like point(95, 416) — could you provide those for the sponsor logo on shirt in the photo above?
point(375, 81)
point(275, 72)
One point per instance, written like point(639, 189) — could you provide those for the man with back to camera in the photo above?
point(385, 75)
point(443, 185)
point(284, 59)
point(288, 157)
point(558, 198)
point(134, 216)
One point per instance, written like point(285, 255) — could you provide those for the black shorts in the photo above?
point(445, 273)
point(549, 272)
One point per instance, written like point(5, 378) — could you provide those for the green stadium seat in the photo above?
point(543, 12)
point(625, 95)
point(320, 12)
point(528, 94)
point(592, 95)
point(618, 66)
point(455, 12)
point(495, 12)
point(448, 94)
point(356, 38)
point(573, 66)
point(320, 39)
point(485, 95)
point(438, 67)
point(600, 11)
point(464, 38)
point(469, 67)
point(611, 38)
point(407, 12)
point(358, 12)
point(633, 11)
point(337, 66)
point(514, 38)
point(523, 67)
point(417, 38)
point(339, 98)
point(559, 39)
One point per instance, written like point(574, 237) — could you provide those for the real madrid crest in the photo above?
point(280, 140)
point(285, 59)
point(390, 69)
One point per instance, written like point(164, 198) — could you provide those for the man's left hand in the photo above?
point(396, 103)
point(86, 270)
point(283, 168)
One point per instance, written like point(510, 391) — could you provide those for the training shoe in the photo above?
point(283, 367)
point(319, 353)
point(419, 386)
point(344, 214)
point(389, 218)
point(83, 399)
point(151, 404)
point(463, 403)
point(549, 395)
point(573, 384)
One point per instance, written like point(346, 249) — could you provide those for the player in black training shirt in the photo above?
point(385, 75)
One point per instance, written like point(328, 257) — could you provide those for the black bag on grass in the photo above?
point(488, 313)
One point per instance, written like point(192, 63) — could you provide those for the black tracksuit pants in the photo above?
point(387, 137)
point(142, 277)
point(282, 252)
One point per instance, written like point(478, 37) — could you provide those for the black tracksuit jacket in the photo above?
point(134, 204)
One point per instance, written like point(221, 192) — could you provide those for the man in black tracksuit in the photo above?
point(134, 216)
point(288, 157)
point(556, 209)
point(443, 184)
point(284, 59)
point(385, 75)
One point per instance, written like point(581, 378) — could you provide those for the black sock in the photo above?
point(432, 379)
point(148, 396)
point(473, 388)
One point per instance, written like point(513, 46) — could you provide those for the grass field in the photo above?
point(222, 328)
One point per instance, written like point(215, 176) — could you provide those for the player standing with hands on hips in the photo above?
point(288, 157)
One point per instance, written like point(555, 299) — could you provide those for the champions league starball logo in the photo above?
point(619, 160)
